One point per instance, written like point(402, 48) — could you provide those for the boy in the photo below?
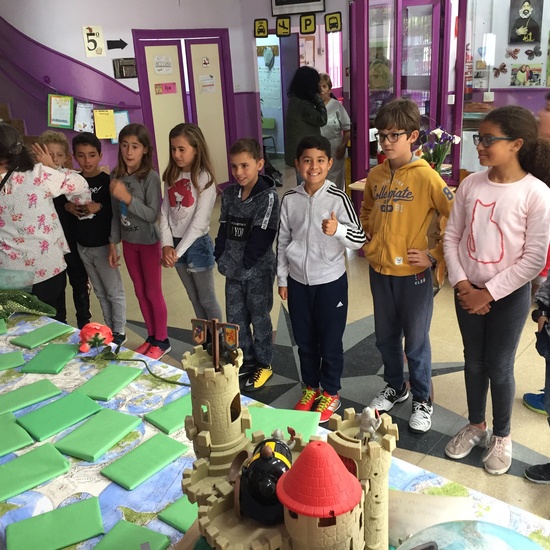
point(401, 196)
point(244, 253)
point(317, 224)
point(58, 147)
point(92, 236)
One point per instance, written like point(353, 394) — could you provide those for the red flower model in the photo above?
point(94, 335)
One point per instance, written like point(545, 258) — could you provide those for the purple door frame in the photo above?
point(144, 38)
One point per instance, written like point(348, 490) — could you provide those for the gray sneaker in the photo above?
point(464, 441)
point(498, 457)
point(388, 397)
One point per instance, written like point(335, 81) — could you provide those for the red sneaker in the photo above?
point(327, 406)
point(156, 352)
point(309, 396)
point(144, 348)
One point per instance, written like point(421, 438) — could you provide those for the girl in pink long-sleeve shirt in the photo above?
point(495, 244)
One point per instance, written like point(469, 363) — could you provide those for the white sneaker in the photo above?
point(498, 458)
point(421, 418)
point(388, 397)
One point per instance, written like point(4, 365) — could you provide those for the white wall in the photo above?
point(58, 25)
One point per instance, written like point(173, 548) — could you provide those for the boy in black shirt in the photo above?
point(92, 236)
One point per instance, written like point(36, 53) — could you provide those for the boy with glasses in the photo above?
point(400, 199)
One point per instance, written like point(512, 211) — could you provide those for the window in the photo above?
point(334, 58)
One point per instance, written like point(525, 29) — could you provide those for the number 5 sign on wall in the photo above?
point(93, 41)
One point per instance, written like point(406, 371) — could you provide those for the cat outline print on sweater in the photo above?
point(493, 238)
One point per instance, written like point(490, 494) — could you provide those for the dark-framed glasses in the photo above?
point(392, 137)
point(487, 141)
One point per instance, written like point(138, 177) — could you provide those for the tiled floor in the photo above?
point(362, 380)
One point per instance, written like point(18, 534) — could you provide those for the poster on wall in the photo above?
point(83, 118)
point(525, 19)
point(60, 111)
point(285, 7)
point(526, 75)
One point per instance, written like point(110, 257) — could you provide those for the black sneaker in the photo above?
point(388, 397)
point(248, 367)
point(539, 473)
point(119, 339)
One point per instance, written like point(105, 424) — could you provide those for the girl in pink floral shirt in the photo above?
point(31, 238)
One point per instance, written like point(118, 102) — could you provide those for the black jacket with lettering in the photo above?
point(244, 245)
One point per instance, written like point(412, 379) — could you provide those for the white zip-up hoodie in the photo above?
point(303, 251)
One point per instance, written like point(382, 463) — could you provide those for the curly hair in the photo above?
point(13, 151)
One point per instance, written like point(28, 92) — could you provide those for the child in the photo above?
point(135, 188)
point(30, 231)
point(58, 147)
point(244, 253)
point(401, 196)
point(92, 236)
point(495, 244)
point(317, 224)
point(189, 198)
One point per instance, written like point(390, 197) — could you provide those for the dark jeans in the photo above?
point(403, 308)
point(318, 314)
point(52, 292)
point(490, 344)
point(543, 347)
point(78, 278)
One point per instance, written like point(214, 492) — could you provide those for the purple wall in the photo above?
point(533, 99)
point(248, 116)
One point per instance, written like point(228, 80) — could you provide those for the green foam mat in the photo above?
point(11, 359)
point(144, 461)
point(170, 418)
point(106, 384)
point(41, 335)
point(181, 514)
point(130, 536)
point(27, 395)
point(27, 471)
point(97, 435)
point(57, 529)
point(58, 415)
point(14, 437)
point(268, 420)
point(3, 327)
point(51, 359)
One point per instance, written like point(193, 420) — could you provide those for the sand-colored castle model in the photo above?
point(335, 495)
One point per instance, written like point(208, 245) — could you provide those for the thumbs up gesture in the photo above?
point(330, 226)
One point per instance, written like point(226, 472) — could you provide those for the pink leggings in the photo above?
point(143, 263)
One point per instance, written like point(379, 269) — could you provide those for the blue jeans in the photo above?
point(199, 256)
point(490, 344)
point(403, 308)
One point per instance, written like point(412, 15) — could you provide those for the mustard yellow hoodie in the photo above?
point(397, 210)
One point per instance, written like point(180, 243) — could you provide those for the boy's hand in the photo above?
point(419, 258)
point(74, 209)
point(90, 208)
point(114, 258)
point(169, 256)
point(542, 321)
point(330, 226)
point(283, 292)
point(43, 155)
point(120, 192)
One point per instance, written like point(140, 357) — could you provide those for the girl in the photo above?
point(495, 244)
point(31, 237)
point(135, 188)
point(189, 197)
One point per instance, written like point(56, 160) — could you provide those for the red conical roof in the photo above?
point(318, 484)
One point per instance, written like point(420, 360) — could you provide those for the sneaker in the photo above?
point(535, 402)
point(262, 373)
point(498, 457)
point(538, 474)
point(145, 346)
point(388, 397)
point(421, 418)
point(119, 339)
point(158, 349)
point(464, 441)
point(327, 406)
point(247, 369)
point(309, 396)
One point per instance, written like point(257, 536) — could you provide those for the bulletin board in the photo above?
point(270, 87)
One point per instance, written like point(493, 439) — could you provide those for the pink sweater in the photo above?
point(498, 234)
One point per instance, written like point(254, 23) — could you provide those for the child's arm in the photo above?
point(169, 257)
point(283, 240)
point(443, 199)
point(315, 112)
point(366, 209)
point(262, 234)
point(344, 223)
point(114, 256)
point(148, 208)
point(219, 244)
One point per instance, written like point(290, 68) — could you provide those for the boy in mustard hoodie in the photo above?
point(400, 198)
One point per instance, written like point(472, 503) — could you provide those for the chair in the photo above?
point(267, 137)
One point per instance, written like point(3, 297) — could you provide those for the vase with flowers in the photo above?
point(436, 147)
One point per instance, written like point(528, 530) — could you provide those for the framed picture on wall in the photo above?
point(284, 7)
point(525, 20)
point(60, 111)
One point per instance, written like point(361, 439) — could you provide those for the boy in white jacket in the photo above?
point(316, 226)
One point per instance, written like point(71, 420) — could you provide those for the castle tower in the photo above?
point(323, 501)
point(218, 425)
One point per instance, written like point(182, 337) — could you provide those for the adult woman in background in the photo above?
point(306, 112)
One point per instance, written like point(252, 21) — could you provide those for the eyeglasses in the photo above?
point(391, 137)
point(487, 141)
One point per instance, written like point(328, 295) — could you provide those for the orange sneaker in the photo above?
point(327, 406)
point(309, 396)
point(143, 348)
